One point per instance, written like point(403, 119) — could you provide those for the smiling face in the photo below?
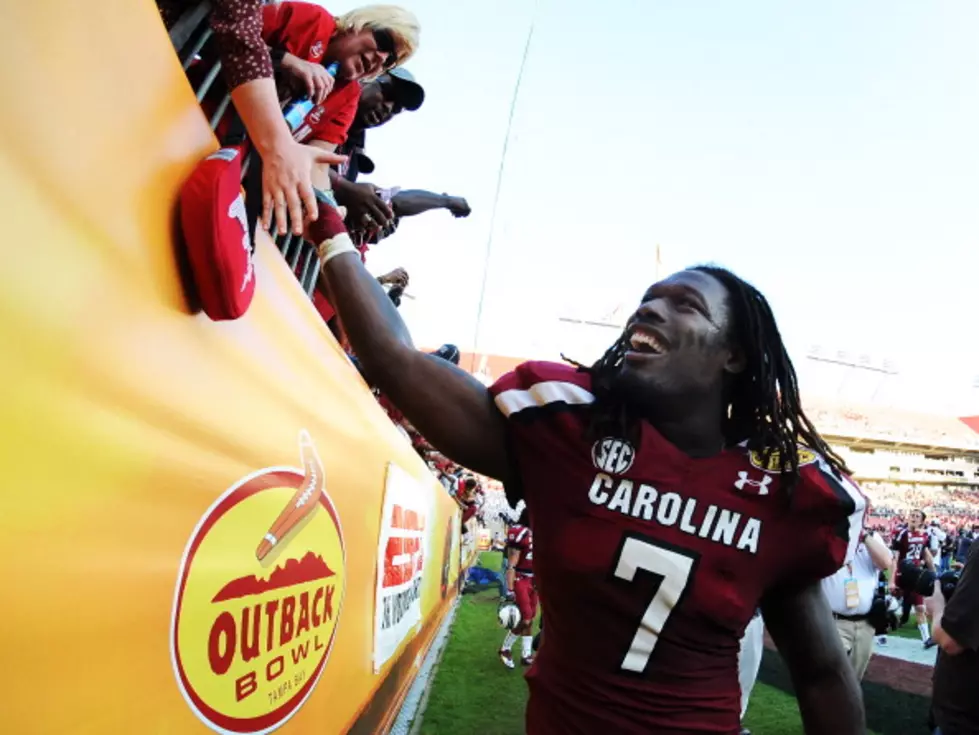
point(377, 103)
point(677, 342)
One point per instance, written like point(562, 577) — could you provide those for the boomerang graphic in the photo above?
point(302, 503)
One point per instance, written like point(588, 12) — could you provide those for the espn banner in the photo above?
point(402, 553)
point(194, 513)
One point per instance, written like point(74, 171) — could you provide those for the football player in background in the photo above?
point(520, 588)
point(669, 495)
point(507, 521)
point(912, 544)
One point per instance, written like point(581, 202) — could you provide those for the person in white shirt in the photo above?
point(749, 660)
point(936, 542)
point(850, 593)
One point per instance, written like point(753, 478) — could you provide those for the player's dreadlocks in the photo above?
point(763, 408)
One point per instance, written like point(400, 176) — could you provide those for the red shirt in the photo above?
point(304, 30)
point(651, 563)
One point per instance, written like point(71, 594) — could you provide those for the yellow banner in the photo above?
point(192, 511)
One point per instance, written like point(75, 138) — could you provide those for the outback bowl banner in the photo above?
point(194, 546)
point(402, 553)
point(258, 598)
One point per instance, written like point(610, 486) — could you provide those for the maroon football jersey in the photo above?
point(650, 563)
point(522, 538)
point(911, 545)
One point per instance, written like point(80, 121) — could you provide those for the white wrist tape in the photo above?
point(334, 246)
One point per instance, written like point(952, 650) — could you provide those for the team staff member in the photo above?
point(954, 701)
point(749, 661)
point(247, 68)
point(850, 593)
point(669, 494)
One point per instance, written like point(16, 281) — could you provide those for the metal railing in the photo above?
point(193, 40)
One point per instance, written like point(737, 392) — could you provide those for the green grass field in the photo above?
point(474, 693)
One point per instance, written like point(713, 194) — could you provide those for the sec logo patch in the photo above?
point(258, 597)
point(806, 456)
point(614, 456)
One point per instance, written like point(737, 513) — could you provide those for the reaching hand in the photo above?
point(286, 184)
point(397, 277)
point(364, 207)
point(458, 206)
point(313, 78)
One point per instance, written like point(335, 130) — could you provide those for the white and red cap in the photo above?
point(215, 227)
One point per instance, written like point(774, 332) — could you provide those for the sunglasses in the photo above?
point(385, 44)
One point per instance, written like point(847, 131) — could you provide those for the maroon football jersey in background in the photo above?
point(650, 563)
point(522, 538)
point(911, 545)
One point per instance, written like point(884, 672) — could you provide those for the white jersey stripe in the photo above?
point(541, 394)
point(857, 519)
point(860, 506)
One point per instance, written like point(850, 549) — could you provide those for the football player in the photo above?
point(670, 497)
point(520, 588)
point(912, 544)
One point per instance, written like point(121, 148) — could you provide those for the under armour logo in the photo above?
point(742, 482)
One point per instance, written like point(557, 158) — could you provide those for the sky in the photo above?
point(827, 152)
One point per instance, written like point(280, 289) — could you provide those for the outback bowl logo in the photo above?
point(258, 597)
point(316, 114)
point(613, 455)
point(316, 50)
point(806, 456)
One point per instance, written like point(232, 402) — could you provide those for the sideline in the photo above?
point(410, 717)
point(906, 649)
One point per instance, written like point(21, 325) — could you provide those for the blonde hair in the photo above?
point(400, 23)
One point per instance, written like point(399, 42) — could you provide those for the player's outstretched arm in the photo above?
point(449, 407)
point(801, 624)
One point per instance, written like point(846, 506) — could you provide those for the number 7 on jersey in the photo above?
point(675, 569)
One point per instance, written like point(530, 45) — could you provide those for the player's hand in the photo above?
point(397, 277)
point(287, 188)
point(893, 590)
point(365, 208)
point(312, 78)
point(458, 206)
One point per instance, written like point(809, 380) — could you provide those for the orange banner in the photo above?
point(192, 511)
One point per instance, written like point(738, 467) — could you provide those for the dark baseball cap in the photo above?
point(448, 352)
point(365, 165)
point(409, 92)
